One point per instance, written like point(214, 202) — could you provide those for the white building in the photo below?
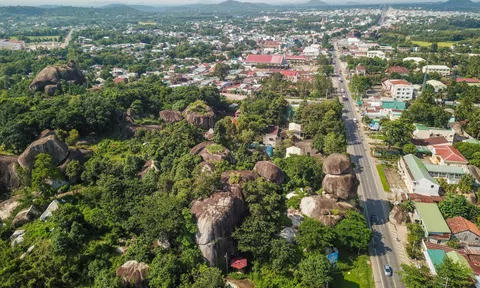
point(423, 132)
point(294, 150)
point(399, 90)
point(376, 53)
point(441, 69)
point(296, 130)
point(416, 176)
point(311, 51)
point(414, 59)
point(437, 85)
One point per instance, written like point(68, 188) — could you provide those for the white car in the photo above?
point(355, 120)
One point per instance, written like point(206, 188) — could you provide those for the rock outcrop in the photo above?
point(337, 164)
point(212, 152)
point(217, 217)
point(7, 207)
point(150, 165)
point(233, 177)
point(200, 114)
point(50, 78)
point(24, 216)
point(9, 179)
point(50, 209)
point(398, 215)
point(171, 116)
point(326, 210)
point(80, 155)
point(340, 180)
point(50, 144)
point(17, 237)
point(269, 171)
point(132, 273)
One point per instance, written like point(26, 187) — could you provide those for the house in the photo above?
point(469, 81)
point(311, 51)
point(452, 174)
point(423, 132)
point(267, 60)
point(9, 44)
point(440, 69)
point(296, 130)
point(400, 90)
point(361, 70)
point(394, 105)
point(403, 49)
point(437, 85)
point(296, 60)
point(397, 69)
point(376, 53)
point(448, 155)
point(414, 59)
point(416, 176)
point(435, 227)
point(293, 150)
point(272, 137)
point(290, 75)
point(464, 231)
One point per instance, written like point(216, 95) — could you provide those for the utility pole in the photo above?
point(226, 261)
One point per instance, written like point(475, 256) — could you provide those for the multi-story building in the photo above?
point(399, 90)
point(376, 53)
point(440, 69)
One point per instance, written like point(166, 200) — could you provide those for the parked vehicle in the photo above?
point(388, 270)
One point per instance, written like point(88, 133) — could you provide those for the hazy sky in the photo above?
point(171, 2)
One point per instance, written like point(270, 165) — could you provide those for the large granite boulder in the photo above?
point(200, 114)
point(132, 273)
point(80, 155)
point(50, 144)
point(233, 177)
point(24, 216)
point(50, 78)
point(9, 179)
point(324, 209)
point(398, 215)
point(171, 116)
point(7, 207)
point(337, 164)
point(217, 217)
point(340, 186)
point(52, 207)
point(269, 171)
point(212, 152)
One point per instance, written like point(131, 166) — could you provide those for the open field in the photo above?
point(428, 44)
point(34, 38)
point(383, 178)
point(354, 271)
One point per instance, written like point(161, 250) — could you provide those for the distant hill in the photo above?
point(460, 4)
point(315, 3)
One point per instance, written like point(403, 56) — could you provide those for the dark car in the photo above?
point(388, 270)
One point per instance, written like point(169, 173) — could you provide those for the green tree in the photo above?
point(302, 171)
point(284, 256)
point(414, 277)
point(352, 232)
point(397, 133)
point(208, 277)
point(454, 205)
point(409, 149)
point(255, 236)
point(414, 238)
point(221, 70)
point(44, 171)
point(74, 170)
point(466, 184)
point(164, 271)
point(314, 236)
point(314, 271)
point(334, 143)
point(457, 275)
point(73, 136)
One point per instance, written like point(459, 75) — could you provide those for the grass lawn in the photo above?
point(383, 178)
point(428, 44)
point(378, 136)
point(353, 271)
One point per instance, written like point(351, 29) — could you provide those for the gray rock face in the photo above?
point(200, 114)
point(171, 116)
point(24, 216)
point(9, 179)
point(340, 181)
point(397, 215)
point(341, 186)
point(81, 155)
point(133, 272)
point(50, 78)
point(324, 209)
point(269, 171)
point(217, 217)
point(232, 177)
point(17, 237)
point(50, 209)
point(337, 164)
point(7, 207)
point(212, 152)
point(50, 144)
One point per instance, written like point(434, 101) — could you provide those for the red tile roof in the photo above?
point(289, 73)
point(271, 44)
point(400, 82)
point(467, 80)
point(459, 224)
point(397, 69)
point(265, 59)
point(422, 198)
point(449, 154)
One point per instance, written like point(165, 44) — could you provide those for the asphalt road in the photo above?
point(384, 248)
